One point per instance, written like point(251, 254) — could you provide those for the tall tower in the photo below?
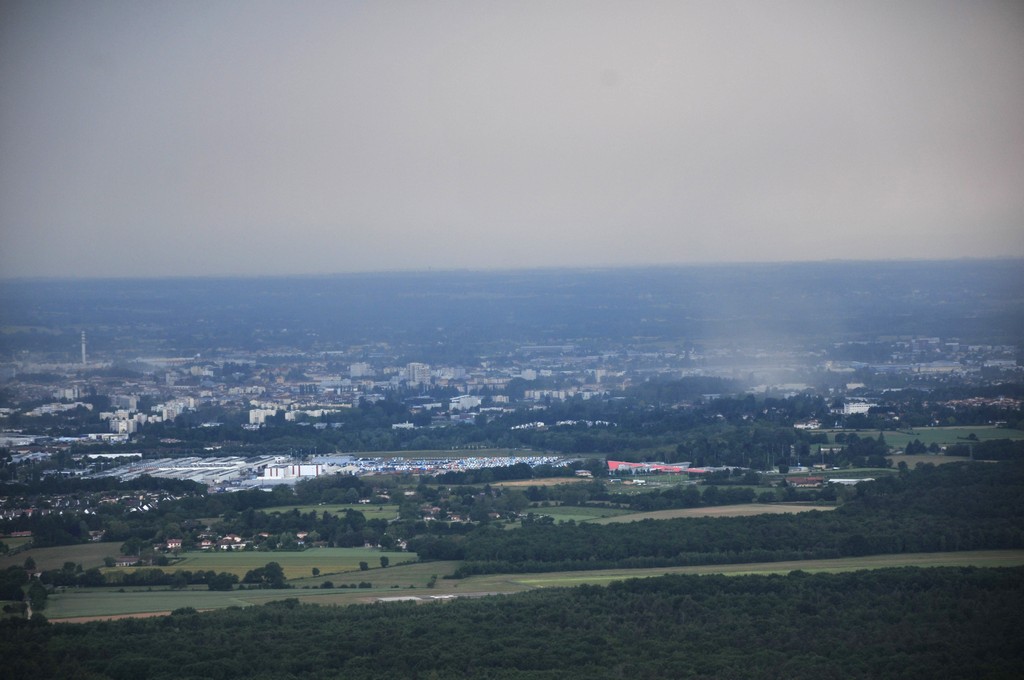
point(83, 348)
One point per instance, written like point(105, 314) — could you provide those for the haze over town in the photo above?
point(154, 139)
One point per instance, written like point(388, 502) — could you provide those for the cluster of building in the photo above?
point(232, 473)
point(12, 507)
point(935, 356)
point(301, 386)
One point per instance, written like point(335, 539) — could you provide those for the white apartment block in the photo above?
point(258, 416)
point(417, 373)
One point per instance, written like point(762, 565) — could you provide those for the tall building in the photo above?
point(417, 373)
point(360, 370)
point(258, 416)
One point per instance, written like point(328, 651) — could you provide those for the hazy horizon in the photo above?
point(514, 270)
point(255, 139)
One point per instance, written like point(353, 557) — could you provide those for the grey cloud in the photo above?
point(192, 138)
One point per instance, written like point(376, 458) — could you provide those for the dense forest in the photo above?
point(905, 623)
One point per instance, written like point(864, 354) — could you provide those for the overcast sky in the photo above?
point(218, 137)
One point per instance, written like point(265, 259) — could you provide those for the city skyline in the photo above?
point(148, 140)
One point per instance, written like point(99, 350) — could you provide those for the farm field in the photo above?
point(295, 564)
point(411, 579)
point(741, 510)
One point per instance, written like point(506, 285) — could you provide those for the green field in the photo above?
point(15, 542)
point(370, 511)
point(979, 558)
point(99, 603)
point(411, 579)
point(88, 555)
point(850, 473)
point(409, 575)
point(914, 460)
point(564, 513)
point(943, 436)
point(539, 481)
point(295, 564)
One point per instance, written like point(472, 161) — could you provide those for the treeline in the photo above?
point(945, 508)
point(732, 540)
point(58, 484)
point(176, 579)
point(907, 623)
point(992, 449)
point(864, 451)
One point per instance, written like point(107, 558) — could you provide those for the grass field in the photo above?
point(370, 511)
point(411, 579)
point(979, 558)
point(13, 542)
point(544, 481)
point(943, 436)
point(88, 555)
point(564, 513)
point(410, 575)
point(916, 459)
point(848, 473)
point(105, 603)
point(295, 564)
point(743, 510)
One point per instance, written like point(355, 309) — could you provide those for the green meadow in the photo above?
point(13, 542)
point(295, 564)
point(978, 558)
point(412, 580)
point(564, 513)
point(369, 510)
point(943, 436)
point(87, 554)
